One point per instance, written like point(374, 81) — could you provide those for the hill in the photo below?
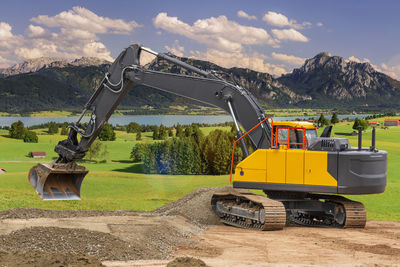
point(324, 81)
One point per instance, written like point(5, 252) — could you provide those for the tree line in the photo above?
point(188, 152)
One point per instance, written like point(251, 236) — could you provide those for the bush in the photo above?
point(17, 130)
point(107, 133)
point(133, 127)
point(359, 123)
point(137, 152)
point(30, 137)
point(97, 151)
point(53, 128)
point(138, 136)
point(64, 130)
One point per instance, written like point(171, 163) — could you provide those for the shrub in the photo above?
point(137, 152)
point(53, 128)
point(107, 133)
point(17, 130)
point(30, 137)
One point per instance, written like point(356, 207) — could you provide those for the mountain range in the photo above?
point(324, 81)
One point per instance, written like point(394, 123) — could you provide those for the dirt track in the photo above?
point(82, 238)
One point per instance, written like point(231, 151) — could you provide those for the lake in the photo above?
point(167, 120)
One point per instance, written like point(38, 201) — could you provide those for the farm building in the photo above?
point(2, 171)
point(39, 154)
point(392, 122)
point(374, 123)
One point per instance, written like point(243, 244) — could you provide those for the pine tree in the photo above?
point(334, 118)
point(155, 133)
point(138, 136)
point(162, 134)
point(179, 131)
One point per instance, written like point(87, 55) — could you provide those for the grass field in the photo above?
point(119, 183)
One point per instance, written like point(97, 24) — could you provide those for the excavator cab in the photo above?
point(293, 134)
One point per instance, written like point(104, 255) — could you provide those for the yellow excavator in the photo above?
point(300, 173)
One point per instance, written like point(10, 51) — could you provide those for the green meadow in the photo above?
point(119, 184)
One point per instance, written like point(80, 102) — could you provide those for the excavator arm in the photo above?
point(62, 179)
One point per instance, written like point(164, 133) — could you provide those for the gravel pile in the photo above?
point(38, 259)
point(186, 261)
point(64, 241)
point(195, 206)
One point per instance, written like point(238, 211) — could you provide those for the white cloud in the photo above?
point(5, 31)
point(392, 67)
point(219, 33)
point(280, 20)
point(84, 19)
point(176, 49)
point(289, 35)
point(35, 31)
point(320, 24)
point(289, 59)
point(75, 34)
point(254, 61)
point(242, 14)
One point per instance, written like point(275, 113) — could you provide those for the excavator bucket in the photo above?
point(57, 181)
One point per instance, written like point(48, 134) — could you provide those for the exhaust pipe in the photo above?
point(58, 181)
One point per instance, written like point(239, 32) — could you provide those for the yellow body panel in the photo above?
point(276, 165)
point(295, 166)
point(253, 167)
point(316, 169)
point(285, 166)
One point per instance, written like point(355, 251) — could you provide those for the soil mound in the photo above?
point(195, 206)
point(186, 261)
point(65, 241)
point(35, 258)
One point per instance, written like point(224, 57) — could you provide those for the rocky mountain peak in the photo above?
point(36, 64)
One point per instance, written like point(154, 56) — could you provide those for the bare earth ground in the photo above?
point(181, 230)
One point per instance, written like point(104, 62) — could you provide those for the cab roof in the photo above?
point(305, 124)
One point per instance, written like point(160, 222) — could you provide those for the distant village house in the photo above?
point(39, 154)
point(392, 122)
point(374, 123)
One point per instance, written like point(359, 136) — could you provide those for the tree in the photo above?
point(179, 131)
point(155, 133)
point(334, 118)
point(17, 130)
point(322, 121)
point(133, 127)
point(137, 152)
point(53, 128)
point(359, 123)
point(138, 136)
point(107, 133)
point(64, 130)
point(30, 137)
point(97, 151)
point(170, 134)
point(162, 134)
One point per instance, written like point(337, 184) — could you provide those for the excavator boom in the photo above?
point(61, 180)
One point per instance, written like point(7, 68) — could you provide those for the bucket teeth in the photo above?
point(58, 181)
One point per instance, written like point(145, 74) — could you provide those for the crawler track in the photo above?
point(249, 211)
point(246, 210)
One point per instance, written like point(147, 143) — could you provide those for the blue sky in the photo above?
point(269, 36)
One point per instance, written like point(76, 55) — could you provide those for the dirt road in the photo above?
point(184, 228)
point(144, 240)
